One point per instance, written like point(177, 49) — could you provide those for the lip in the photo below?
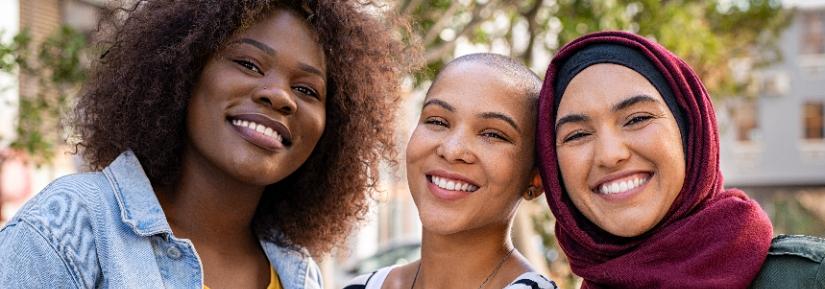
point(626, 194)
point(257, 138)
point(444, 194)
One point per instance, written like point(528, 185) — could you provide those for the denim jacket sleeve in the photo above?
point(793, 262)
point(50, 242)
point(30, 261)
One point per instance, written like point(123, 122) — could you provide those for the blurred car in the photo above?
point(400, 253)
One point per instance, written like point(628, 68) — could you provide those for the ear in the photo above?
point(535, 189)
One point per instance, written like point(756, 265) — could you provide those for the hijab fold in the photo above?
point(710, 237)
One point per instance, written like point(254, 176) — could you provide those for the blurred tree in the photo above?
point(57, 69)
point(721, 39)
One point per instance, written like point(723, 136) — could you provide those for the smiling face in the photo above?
point(258, 108)
point(471, 156)
point(619, 149)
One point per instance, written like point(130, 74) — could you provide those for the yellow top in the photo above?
point(274, 282)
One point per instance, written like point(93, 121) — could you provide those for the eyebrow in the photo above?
point(440, 103)
point(572, 118)
point(501, 116)
point(633, 101)
point(310, 69)
point(271, 52)
point(257, 44)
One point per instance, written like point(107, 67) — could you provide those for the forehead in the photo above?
point(479, 87)
point(285, 30)
point(603, 85)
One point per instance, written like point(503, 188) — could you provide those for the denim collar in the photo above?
point(141, 211)
point(139, 207)
point(292, 266)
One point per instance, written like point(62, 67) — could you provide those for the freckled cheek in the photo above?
point(422, 143)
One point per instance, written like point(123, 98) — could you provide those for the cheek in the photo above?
point(313, 123)
point(574, 167)
point(417, 146)
point(662, 145)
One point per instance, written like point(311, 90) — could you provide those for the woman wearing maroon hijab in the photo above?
point(629, 153)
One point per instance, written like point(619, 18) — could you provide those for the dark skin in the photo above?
point(272, 74)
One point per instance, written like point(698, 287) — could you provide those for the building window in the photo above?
point(745, 117)
point(813, 119)
point(813, 33)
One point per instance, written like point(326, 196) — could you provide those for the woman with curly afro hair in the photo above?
point(230, 141)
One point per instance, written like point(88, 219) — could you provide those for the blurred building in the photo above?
point(19, 179)
point(773, 145)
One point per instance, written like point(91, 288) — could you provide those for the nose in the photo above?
point(611, 150)
point(277, 95)
point(455, 149)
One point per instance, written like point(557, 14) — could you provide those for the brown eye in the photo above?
point(436, 121)
point(494, 135)
point(575, 136)
point(307, 91)
point(638, 119)
point(249, 66)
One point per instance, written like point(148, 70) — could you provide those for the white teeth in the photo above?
point(621, 186)
point(453, 185)
point(267, 131)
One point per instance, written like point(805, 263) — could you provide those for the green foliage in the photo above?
point(55, 68)
point(789, 216)
point(707, 34)
point(13, 54)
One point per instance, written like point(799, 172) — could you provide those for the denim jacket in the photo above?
point(107, 230)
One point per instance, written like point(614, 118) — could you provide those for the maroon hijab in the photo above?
point(710, 237)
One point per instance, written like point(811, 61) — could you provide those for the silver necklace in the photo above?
point(492, 274)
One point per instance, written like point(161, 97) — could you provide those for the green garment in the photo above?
point(793, 262)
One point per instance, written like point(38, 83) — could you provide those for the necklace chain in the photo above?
point(492, 274)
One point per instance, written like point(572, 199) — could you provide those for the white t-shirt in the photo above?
point(374, 280)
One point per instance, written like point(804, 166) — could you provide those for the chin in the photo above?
point(440, 225)
point(623, 230)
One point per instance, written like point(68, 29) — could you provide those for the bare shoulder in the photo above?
point(385, 278)
point(401, 276)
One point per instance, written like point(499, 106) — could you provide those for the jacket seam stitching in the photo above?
point(62, 258)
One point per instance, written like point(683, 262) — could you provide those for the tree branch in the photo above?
point(443, 20)
point(409, 6)
point(435, 53)
point(532, 27)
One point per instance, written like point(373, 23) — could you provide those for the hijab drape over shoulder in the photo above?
point(710, 237)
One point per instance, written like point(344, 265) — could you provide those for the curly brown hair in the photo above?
point(137, 97)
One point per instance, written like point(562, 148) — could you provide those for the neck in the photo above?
point(209, 207)
point(477, 253)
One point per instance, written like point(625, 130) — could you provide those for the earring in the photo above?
point(531, 191)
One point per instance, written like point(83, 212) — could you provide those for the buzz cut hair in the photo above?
point(524, 80)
